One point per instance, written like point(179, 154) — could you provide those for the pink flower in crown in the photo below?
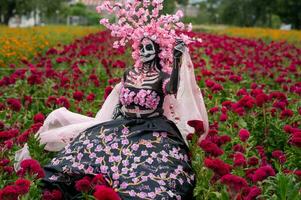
point(136, 20)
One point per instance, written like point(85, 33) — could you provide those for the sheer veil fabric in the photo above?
point(62, 126)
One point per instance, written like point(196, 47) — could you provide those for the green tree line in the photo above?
point(248, 13)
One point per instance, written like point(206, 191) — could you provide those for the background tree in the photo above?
point(289, 12)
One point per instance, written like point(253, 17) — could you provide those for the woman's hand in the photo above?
point(179, 48)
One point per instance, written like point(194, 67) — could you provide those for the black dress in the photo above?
point(140, 152)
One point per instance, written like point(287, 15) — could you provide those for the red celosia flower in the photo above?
point(262, 173)
point(211, 148)
point(214, 109)
point(23, 185)
point(197, 125)
point(8, 169)
point(27, 100)
point(78, 95)
point(189, 136)
point(4, 161)
point(52, 195)
point(51, 101)
point(223, 140)
point(253, 193)
point(278, 154)
point(223, 117)
point(286, 113)
point(32, 167)
point(105, 193)
point(261, 99)
point(239, 160)
point(253, 161)
point(218, 166)
point(83, 185)
point(9, 192)
point(6, 135)
point(239, 148)
point(244, 134)
point(296, 138)
point(91, 97)
point(15, 104)
point(108, 90)
point(63, 101)
point(99, 180)
point(39, 118)
point(235, 183)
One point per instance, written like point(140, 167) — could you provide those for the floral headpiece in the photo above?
point(138, 19)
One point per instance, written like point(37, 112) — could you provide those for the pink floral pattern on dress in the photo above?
point(145, 98)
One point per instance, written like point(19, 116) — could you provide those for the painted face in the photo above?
point(147, 50)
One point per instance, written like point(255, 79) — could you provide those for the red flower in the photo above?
point(223, 117)
point(253, 161)
point(27, 100)
point(239, 159)
point(63, 101)
point(223, 140)
point(278, 154)
point(296, 138)
point(210, 147)
point(54, 195)
point(189, 136)
point(239, 148)
point(262, 173)
point(235, 183)
point(83, 185)
point(105, 193)
point(214, 109)
point(15, 104)
point(197, 125)
point(9, 192)
point(253, 193)
point(244, 135)
point(78, 95)
point(4, 162)
point(23, 185)
point(218, 166)
point(39, 118)
point(51, 101)
point(286, 113)
point(108, 90)
point(91, 97)
point(261, 99)
point(99, 180)
point(32, 167)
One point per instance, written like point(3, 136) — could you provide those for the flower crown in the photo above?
point(137, 19)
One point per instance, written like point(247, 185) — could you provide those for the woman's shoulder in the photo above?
point(126, 72)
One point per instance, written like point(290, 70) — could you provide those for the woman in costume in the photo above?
point(137, 141)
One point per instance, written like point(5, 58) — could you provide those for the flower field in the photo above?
point(252, 93)
point(22, 44)
point(292, 36)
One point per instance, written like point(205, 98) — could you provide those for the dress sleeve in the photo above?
point(171, 81)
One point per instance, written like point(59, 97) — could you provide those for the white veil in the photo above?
point(62, 126)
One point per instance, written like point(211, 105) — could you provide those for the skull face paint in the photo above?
point(147, 50)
